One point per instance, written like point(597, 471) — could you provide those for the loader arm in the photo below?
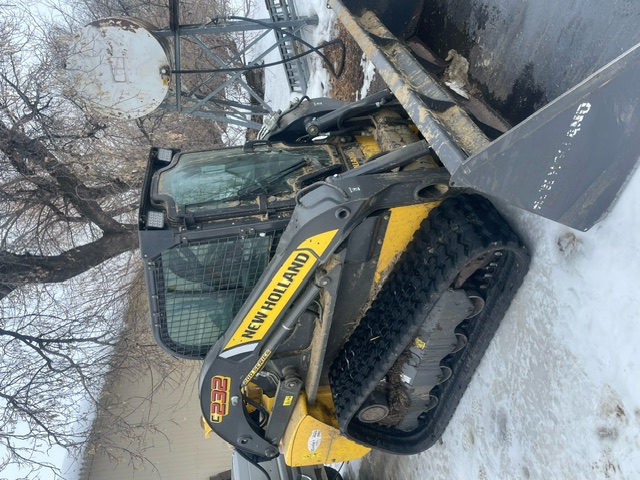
point(325, 215)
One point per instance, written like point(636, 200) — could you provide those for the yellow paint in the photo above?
point(368, 146)
point(353, 160)
point(268, 402)
point(205, 426)
point(281, 288)
point(418, 342)
point(254, 392)
point(403, 223)
point(312, 437)
point(309, 456)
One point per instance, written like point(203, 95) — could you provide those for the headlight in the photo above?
point(155, 219)
point(165, 154)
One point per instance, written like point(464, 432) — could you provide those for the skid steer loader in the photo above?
point(342, 276)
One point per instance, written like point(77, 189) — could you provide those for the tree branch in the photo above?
point(22, 150)
point(17, 270)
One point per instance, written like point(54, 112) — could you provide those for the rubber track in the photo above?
point(460, 229)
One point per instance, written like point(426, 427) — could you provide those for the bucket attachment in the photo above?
point(569, 160)
point(566, 162)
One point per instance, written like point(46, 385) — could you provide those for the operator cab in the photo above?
point(209, 223)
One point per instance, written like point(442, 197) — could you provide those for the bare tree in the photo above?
point(55, 183)
point(66, 173)
point(52, 366)
point(69, 183)
point(69, 188)
point(58, 366)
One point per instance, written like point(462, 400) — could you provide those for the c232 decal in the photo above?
point(220, 388)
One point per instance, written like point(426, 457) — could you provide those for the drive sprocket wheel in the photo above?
point(464, 244)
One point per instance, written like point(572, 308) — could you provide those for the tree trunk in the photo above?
point(17, 270)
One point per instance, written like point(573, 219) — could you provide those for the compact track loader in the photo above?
point(342, 276)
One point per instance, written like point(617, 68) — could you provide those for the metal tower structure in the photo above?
point(208, 97)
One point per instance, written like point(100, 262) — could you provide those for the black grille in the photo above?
point(201, 287)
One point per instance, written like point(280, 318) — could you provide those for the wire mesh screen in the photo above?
point(202, 286)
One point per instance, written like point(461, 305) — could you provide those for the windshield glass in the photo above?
point(203, 286)
point(202, 181)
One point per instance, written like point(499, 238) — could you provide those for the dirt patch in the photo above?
point(352, 78)
point(398, 396)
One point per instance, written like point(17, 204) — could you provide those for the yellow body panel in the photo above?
point(368, 146)
point(403, 223)
point(312, 438)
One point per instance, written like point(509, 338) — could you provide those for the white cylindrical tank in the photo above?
point(119, 67)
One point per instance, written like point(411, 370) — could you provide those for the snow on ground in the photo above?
point(557, 395)
point(276, 91)
point(369, 71)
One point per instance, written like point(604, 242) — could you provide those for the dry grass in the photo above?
point(350, 82)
